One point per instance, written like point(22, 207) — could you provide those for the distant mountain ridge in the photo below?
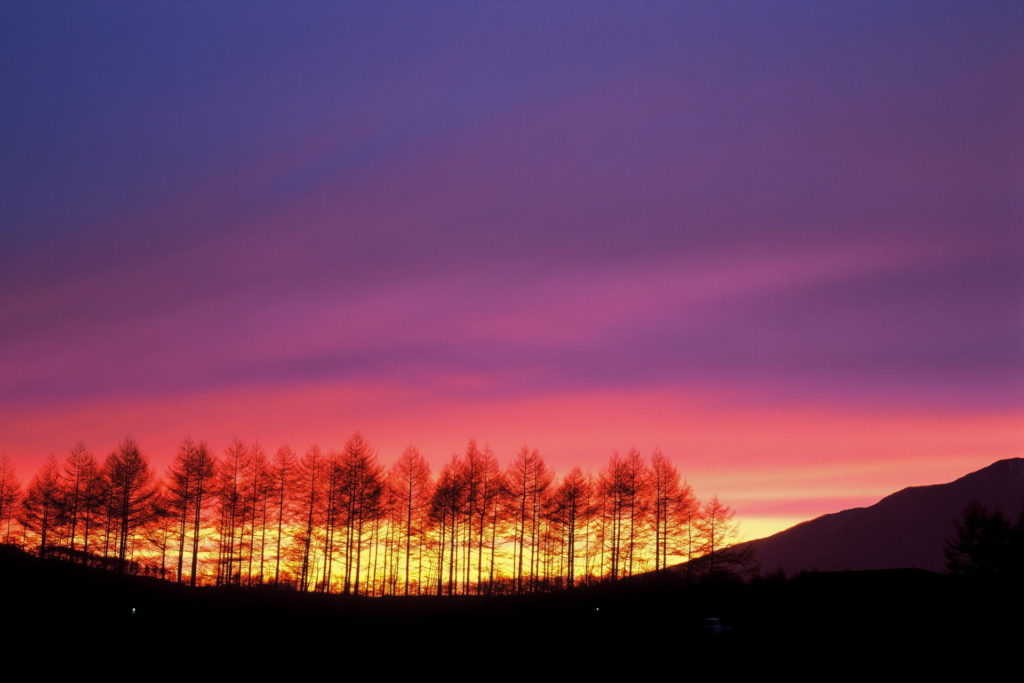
point(908, 528)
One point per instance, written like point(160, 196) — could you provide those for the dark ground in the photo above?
point(656, 623)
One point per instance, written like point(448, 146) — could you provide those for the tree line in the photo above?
point(343, 522)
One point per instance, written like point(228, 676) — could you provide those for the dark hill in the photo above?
point(906, 529)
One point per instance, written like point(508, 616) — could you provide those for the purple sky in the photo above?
point(759, 209)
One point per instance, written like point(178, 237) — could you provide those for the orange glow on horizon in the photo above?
point(819, 460)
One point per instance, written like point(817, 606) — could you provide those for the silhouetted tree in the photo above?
point(715, 530)
point(986, 543)
point(231, 509)
point(260, 486)
point(570, 513)
point(285, 485)
point(202, 473)
point(79, 470)
point(471, 475)
point(159, 527)
point(42, 503)
point(333, 477)
point(674, 508)
point(93, 506)
point(178, 495)
point(311, 470)
point(528, 480)
point(409, 480)
point(131, 491)
point(445, 511)
point(637, 494)
point(618, 504)
point(362, 488)
point(10, 495)
point(189, 482)
point(490, 503)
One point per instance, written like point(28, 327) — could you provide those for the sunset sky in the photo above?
point(783, 242)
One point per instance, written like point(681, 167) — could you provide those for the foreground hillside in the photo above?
point(658, 614)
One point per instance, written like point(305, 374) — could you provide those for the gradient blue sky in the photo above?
point(709, 227)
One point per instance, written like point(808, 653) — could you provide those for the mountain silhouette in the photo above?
point(903, 530)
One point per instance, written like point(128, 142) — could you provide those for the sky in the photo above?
point(782, 242)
